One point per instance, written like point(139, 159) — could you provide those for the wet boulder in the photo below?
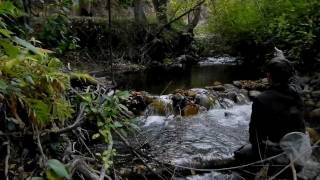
point(216, 88)
point(261, 84)
point(138, 102)
point(190, 110)
point(159, 107)
point(204, 100)
point(178, 102)
point(253, 94)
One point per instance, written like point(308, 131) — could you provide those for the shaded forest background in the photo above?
point(56, 123)
point(161, 30)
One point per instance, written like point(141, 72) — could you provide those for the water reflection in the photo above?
point(155, 80)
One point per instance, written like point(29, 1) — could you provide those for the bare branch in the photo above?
point(6, 161)
point(76, 124)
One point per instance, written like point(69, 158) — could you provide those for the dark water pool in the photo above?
point(157, 79)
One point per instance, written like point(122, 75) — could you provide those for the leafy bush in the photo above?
point(291, 25)
point(37, 99)
point(56, 29)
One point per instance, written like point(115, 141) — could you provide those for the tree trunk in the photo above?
point(85, 8)
point(193, 19)
point(139, 15)
point(27, 9)
point(160, 7)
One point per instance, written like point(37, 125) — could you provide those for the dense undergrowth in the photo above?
point(253, 27)
point(49, 114)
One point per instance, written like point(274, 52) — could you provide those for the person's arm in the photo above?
point(255, 123)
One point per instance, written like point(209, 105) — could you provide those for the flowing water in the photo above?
point(212, 134)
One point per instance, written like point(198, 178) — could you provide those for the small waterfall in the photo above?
point(161, 106)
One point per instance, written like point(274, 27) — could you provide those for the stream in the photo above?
point(212, 134)
point(222, 69)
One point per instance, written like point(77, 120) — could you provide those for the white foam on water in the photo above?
point(154, 120)
point(233, 116)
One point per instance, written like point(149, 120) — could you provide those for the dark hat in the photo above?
point(280, 68)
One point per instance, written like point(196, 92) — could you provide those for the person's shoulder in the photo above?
point(267, 96)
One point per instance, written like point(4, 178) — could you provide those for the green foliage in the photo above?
point(126, 3)
point(30, 80)
point(56, 170)
point(178, 7)
point(291, 25)
point(56, 29)
point(106, 112)
point(37, 95)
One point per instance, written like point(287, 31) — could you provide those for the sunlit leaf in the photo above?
point(117, 124)
point(6, 33)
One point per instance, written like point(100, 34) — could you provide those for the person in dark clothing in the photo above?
point(275, 113)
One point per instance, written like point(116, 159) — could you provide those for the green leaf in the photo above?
point(27, 45)
point(3, 85)
point(6, 33)
point(11, 50)
point(95, 136)
point(36, 178)
point(30, 80)
point(123, 94)
point(59, 168)
point(117, 124)
point(51, 175)
point(41, 110)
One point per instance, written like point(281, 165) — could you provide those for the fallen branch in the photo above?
point(102, 173)
point(80, 166)
point(6, 161)
point(76, 124)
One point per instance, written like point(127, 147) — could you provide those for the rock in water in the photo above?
point(190, 110)
point(254, 94)
point(159, 107)
point(205, 100)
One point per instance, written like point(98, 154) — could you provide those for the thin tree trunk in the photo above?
point(160, 7)
point(27, 9)
point(139, 15)
point(193, 19)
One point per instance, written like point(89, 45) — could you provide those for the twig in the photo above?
point(173, 174)
point(229, 168)
point(165, 89)
point(85, 145)
point(294, 172)
point(44, 158)
point(6, 162)
point(81, 167)
point(102, 173)
point(76, 124)
point(292, 161)
point(125, 141)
